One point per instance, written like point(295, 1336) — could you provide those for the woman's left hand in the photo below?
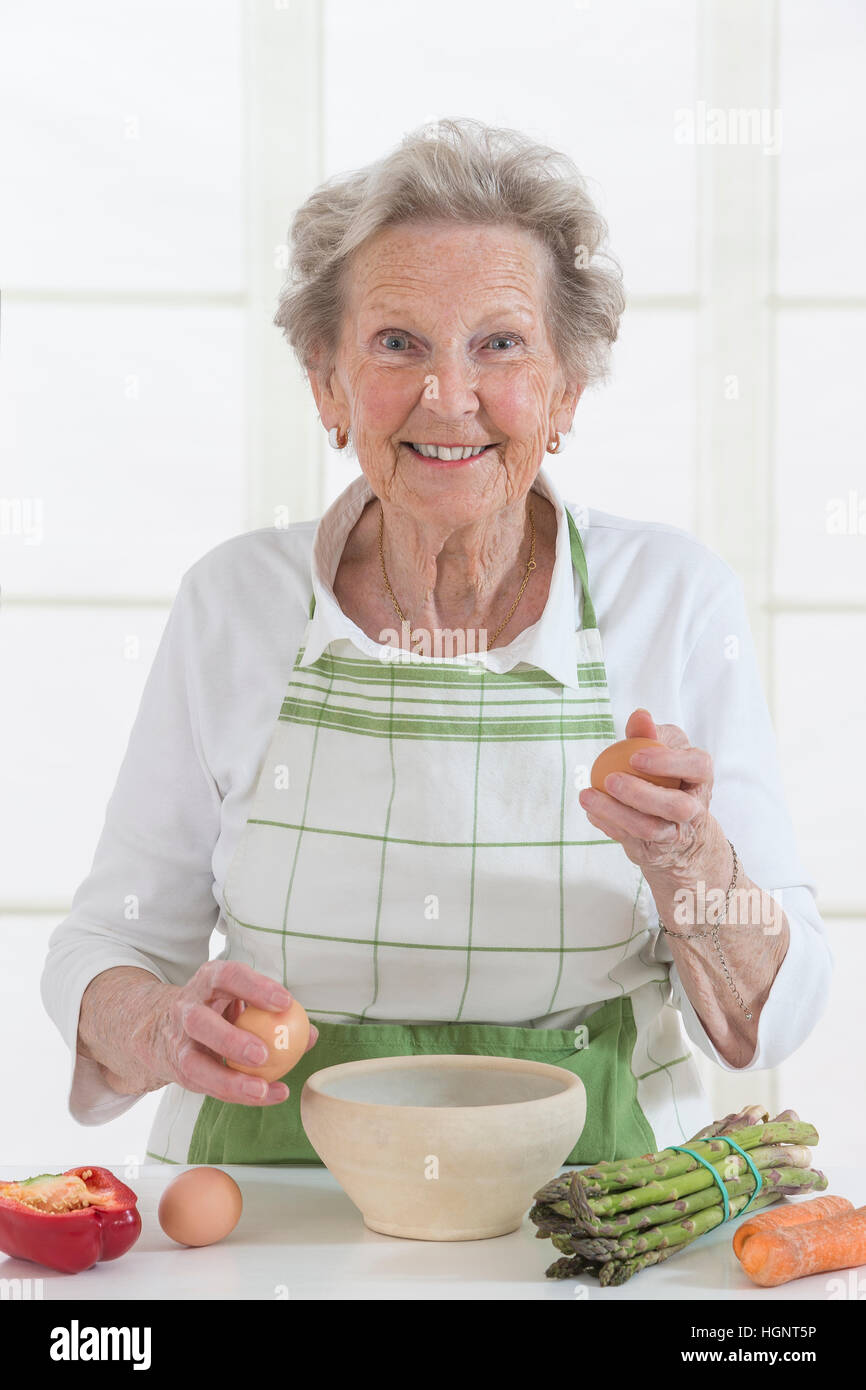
point(660, 828)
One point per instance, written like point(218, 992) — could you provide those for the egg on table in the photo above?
point(200, 1207)
point(284, 1032)
point(616, 759)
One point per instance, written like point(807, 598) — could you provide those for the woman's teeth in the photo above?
point(436, 451)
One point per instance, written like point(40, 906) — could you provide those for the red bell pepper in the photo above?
point(68, 1221)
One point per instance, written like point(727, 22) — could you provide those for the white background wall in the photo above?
point(153, 155)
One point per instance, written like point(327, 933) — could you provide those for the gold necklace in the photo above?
point(415, 638)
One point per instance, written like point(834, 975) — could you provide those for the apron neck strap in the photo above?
point(578, 559)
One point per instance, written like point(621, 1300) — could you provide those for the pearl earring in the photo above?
point(334, 439)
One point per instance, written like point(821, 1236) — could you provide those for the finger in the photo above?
point(201, 1072)
point(640, 724)
point(209, 1028)
point(239, 981)
point(689, 764)
point(665, 802)
point(673, 736)
point(233, 1010)
point(620, 821)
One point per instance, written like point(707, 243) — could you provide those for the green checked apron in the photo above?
point(418, 871)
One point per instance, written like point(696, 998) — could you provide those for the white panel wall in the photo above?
point(153, 155)
point(123, 435)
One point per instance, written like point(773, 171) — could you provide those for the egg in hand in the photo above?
point(616, 759)
point(285, 1033)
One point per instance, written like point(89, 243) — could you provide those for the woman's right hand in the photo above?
point(157, 1033)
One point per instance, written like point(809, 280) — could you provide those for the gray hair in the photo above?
point(466, 172)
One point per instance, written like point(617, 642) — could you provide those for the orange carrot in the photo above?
point(792, 1252)
point(793, 1215)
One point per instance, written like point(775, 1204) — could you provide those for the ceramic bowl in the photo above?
point(443, 1147)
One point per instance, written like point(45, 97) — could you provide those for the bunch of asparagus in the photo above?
point(615, 1218)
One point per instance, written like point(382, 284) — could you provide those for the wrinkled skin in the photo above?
point(146, 1034)
point(464, 307)
point(660, 828)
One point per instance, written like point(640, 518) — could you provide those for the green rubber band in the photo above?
point(759, 1181)
point(681, 1149)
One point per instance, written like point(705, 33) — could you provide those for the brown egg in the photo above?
point(200, 1207)
point(285, 1034)
point(616, 759)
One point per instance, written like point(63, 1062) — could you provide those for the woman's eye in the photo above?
point(502, 338)
point(390, 339)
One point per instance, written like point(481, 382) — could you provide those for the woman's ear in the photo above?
point(319, 385)
point(562, 416)
point(321, 379)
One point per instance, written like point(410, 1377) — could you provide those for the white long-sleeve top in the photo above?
point(676, 641)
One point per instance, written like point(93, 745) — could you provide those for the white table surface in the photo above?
point(300, 1237)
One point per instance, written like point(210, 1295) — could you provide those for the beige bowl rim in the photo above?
point(317, 1081)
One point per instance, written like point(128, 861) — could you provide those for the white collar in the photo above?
point(548, 644)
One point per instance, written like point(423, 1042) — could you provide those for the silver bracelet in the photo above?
point(714, 933)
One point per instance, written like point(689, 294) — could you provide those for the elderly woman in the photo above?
point(363, 749)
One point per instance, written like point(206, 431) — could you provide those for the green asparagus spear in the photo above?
point(632, 1252)
point(615, 1272)
point(643, 1217)
point(613, 1231)
point(567, 1268)
point(752, 1115)
point(631, 1175)
point(556, 1189)
point(670, 1187)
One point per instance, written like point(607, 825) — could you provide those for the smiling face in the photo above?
point(444, 343)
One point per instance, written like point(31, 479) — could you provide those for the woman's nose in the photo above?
point(453, 389)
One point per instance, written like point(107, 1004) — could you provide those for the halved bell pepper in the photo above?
point(68, 1221)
